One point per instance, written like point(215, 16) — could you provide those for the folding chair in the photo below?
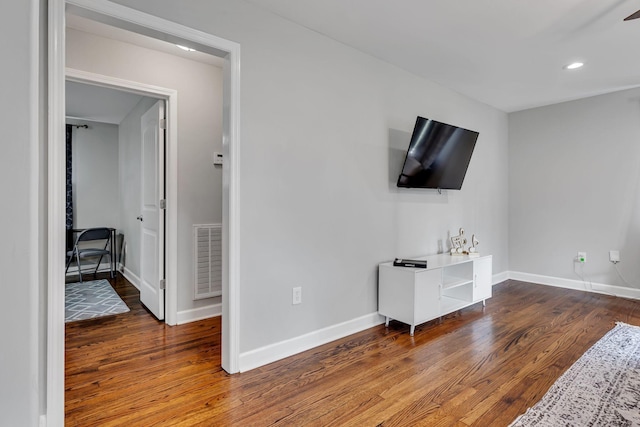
point(91, 234)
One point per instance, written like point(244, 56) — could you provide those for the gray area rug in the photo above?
point(601, 389)
point(92, 299)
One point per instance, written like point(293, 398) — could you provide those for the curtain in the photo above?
point(69, 201)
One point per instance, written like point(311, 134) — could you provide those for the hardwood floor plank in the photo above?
point(477, 367)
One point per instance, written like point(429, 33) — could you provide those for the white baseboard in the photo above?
point(579, 285)
point(500, 277)
point(42, 421)
point(184, 316)
point(130, 276)
point(194, 314)
point(271, 353)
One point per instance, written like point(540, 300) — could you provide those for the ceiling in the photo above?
point(506, 53)
point(98, 104)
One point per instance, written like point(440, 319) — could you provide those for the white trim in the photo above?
point(144, 89)
point(500, 277)
point(140, 22)
point(271, 353)
point(599, 288)
point(132, 19)
point(200, 313)
point(231, 210)
point(277, 351)
point(170, 96)
point(130, 276)
point(56, 215)
point(37, 229)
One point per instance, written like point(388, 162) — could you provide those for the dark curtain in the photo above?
point(69, 216)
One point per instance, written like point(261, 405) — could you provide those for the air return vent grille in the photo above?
point(208, 260)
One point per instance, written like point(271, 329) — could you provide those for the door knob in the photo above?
point(139, 218)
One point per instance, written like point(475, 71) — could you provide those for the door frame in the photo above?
point(131, 19)
point(170, 96)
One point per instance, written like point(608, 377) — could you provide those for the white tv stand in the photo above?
point(449, 283)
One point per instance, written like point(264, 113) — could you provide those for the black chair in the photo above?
point(91, 234)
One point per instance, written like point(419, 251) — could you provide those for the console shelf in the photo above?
point(455, 282)
point(449, 283)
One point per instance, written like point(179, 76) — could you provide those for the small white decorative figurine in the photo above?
point(473, 252)
point(457, 243)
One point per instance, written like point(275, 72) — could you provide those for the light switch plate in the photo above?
point(217, 158)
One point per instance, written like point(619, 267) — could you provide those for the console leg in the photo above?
point(386, 322)
point(412, 330)
point(484, 303)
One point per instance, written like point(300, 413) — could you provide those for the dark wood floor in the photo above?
point(478, 367)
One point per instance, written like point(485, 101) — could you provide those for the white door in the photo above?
point(152, 217)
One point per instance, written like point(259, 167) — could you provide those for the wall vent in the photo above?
point(208, 260)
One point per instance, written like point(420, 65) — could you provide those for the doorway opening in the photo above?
point(115, 177)
point(141, 23)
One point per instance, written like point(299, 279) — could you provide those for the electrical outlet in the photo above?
point(614, 256)
point(297, 295)
point(582, 257)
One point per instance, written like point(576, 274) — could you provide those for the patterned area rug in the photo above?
point(601, 389)
point(92, 299)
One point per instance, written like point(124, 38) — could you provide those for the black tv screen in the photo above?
point(438, 156)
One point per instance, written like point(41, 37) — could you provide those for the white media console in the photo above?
point(449, 283)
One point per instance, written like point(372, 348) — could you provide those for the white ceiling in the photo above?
point(506, 53)
point(98, 104)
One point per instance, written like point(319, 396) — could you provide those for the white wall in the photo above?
point(311, 107)
point(94, 153)
point(574, 185)
point(199, 89)
point(321, 128)
point(23, 217)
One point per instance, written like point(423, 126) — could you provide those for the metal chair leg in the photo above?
point(95, 272)
point(68, 264)
point(79, 266)
point(110, 265)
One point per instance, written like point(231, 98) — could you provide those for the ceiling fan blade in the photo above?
point(633, 16)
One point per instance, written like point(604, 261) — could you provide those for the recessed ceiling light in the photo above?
point(188, 49)
point(574, 66)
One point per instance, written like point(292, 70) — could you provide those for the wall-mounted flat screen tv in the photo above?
point(438, 156)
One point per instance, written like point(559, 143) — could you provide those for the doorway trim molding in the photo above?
point(170, 96)
point(131, 19)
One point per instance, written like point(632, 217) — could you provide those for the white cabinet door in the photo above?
point(396, 293)
point(427, 295)
point(482, 278)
